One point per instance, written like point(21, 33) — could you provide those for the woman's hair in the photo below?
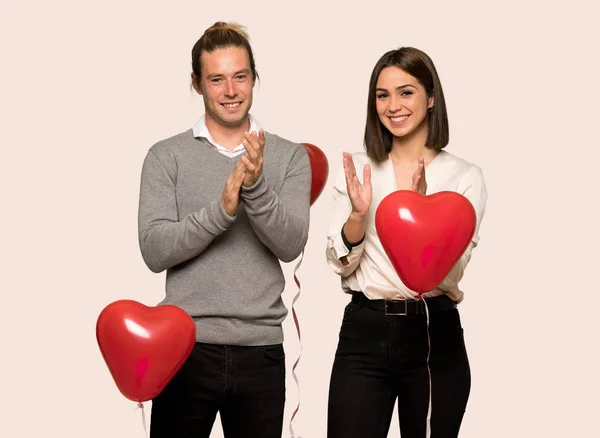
point(219, 36)
point(378, 139)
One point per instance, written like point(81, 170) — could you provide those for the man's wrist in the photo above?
point(255, 189)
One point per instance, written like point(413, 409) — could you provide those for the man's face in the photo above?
point(226, 86)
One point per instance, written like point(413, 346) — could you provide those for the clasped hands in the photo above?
point(246, 171)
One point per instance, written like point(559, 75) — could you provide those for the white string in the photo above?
point(140, 405)
point(292, 434)
point(428, 426)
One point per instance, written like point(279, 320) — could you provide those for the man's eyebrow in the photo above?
point(217, 75)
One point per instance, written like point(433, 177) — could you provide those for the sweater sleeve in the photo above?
point(165, 239)
point(474, 189)
point(281, 220)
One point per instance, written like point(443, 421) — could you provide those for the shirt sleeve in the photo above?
point(473, 188)
point(343, 259)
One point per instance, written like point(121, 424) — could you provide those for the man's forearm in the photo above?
point(281, 226)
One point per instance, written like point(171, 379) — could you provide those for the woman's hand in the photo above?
point(360, 194)
point(419, 184)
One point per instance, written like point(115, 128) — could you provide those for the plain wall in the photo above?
point(87, 87)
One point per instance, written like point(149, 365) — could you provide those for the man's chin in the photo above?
point(234, 122)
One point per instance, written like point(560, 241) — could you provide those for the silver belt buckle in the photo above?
point(394, 314)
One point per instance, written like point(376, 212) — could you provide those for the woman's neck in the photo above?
point(410, 148)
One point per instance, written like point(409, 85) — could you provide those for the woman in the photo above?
point(383, 354)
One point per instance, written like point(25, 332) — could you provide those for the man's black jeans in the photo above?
point(246, 385)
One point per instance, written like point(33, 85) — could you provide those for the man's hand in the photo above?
point(231, 193)
point(419, 184)
point(253, 160)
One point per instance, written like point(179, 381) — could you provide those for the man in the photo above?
point(220, 206)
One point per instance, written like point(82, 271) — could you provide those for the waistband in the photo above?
point(440, 303)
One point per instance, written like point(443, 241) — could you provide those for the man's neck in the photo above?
point(229, 137)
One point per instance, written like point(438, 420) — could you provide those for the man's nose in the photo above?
point(230, 89)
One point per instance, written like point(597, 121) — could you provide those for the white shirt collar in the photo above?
point(200, 130)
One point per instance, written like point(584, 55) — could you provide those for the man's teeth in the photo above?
point(399, 119)
point(231, 105)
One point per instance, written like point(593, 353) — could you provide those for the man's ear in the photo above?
point(196, 84)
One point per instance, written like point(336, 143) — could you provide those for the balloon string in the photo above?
point(292, 435)
point(140, 405)
point(428, 426)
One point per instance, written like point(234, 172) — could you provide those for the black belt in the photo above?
point(405, 307)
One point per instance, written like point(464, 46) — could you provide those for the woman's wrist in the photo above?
point(357, 218)
point(354, 228)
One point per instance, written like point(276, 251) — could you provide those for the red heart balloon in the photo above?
point(320, 170)
point(143, 346)
point(424, 236)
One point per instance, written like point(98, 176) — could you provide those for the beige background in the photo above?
point(86, 88)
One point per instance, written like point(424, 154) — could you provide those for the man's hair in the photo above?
point(378, 140)
point(220, 36)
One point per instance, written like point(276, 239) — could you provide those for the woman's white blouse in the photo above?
point(368, 267)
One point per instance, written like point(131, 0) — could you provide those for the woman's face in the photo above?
point(402, 101)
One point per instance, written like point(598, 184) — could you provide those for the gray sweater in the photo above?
point(224, 271)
